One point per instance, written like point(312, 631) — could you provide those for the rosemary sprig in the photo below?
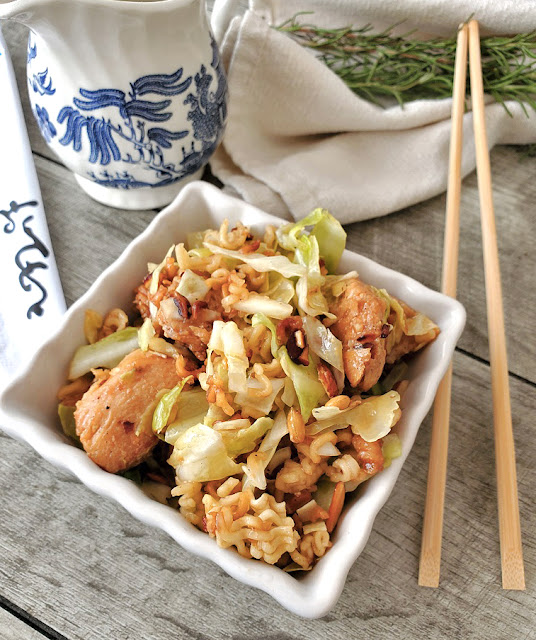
point(380, 65)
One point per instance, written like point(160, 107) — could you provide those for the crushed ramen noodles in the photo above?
point(251, 387)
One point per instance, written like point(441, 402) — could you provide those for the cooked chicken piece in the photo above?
point(408, 344)
point(177, 319)
point(117, 407)
point(360, 327)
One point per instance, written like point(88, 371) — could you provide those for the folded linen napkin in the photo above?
point(298, 138)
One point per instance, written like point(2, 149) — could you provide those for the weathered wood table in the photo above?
point(74, 565)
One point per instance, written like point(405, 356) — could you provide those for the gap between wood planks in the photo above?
point(29, 620)
point(516, 376)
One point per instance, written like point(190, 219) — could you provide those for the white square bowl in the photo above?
point(30, 407)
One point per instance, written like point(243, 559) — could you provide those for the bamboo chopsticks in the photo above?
point(430, 562)
point(513, 575)
point(509, 525)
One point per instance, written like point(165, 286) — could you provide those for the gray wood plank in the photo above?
point(14, 629)
point(83, 566)
point(86, 236)
point(411, 241)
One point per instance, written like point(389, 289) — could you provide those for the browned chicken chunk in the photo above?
point(360, 327)
point(113, 417)
point(409, 343)
point(176, 318)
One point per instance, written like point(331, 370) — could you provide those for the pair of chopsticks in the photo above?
point(509, 526)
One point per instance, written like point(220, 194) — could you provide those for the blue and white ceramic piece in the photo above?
point(130, 94)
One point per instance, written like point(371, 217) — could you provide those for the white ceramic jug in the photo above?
point(130, 94)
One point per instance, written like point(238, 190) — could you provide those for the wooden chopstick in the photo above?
point(430, 561)
point(513, 575)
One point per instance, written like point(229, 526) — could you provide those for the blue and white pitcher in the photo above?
point(130, 94)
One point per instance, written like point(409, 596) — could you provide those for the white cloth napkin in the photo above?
point(298, 138)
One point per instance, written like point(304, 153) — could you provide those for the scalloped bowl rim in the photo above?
point(27, 419)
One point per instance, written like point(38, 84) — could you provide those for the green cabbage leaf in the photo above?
point(106, 353)
point(199, 455)
point(308, 388)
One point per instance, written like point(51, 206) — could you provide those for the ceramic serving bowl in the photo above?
point(29, 403)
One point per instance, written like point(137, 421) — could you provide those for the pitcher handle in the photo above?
point(222, 13)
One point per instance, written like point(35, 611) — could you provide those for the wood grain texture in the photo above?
point(411, 241)
point(11, 628)
point(83, 566)
point(86, 568)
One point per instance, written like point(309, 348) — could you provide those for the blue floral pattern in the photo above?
point(48, 130)
point(32, 50)
point(130, 127)
point(39, 81)
point(41, 84)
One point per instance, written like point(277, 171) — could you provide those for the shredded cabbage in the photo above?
point(328, 449)
point(191, 408)
point(231, 425)
point(256, 303)
point(375, 416)
point(279, 288)
point(194, 240)
point(260, 405)
point(260, 318)
point(260, 262)
point(155, 277)
point(227, 339)
point(391, 448)
point(311, 300)
point(417, 325)
point(145, 334)
point(322, 341)
point(244, 440)
point(326, 240)
point(308, 511)
point(68, 423)
point(164, 407)
point(214, 414)
point(324, 492)
point(326, 413)
point(106, 353)
point(331, 240)
point(306, 384)
point(372, 419)
point(289, 396)
point(92, 323)
point(279, 457)
point(254, 469)
point(199, 455)
point(192, 286)
point(327, 231)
